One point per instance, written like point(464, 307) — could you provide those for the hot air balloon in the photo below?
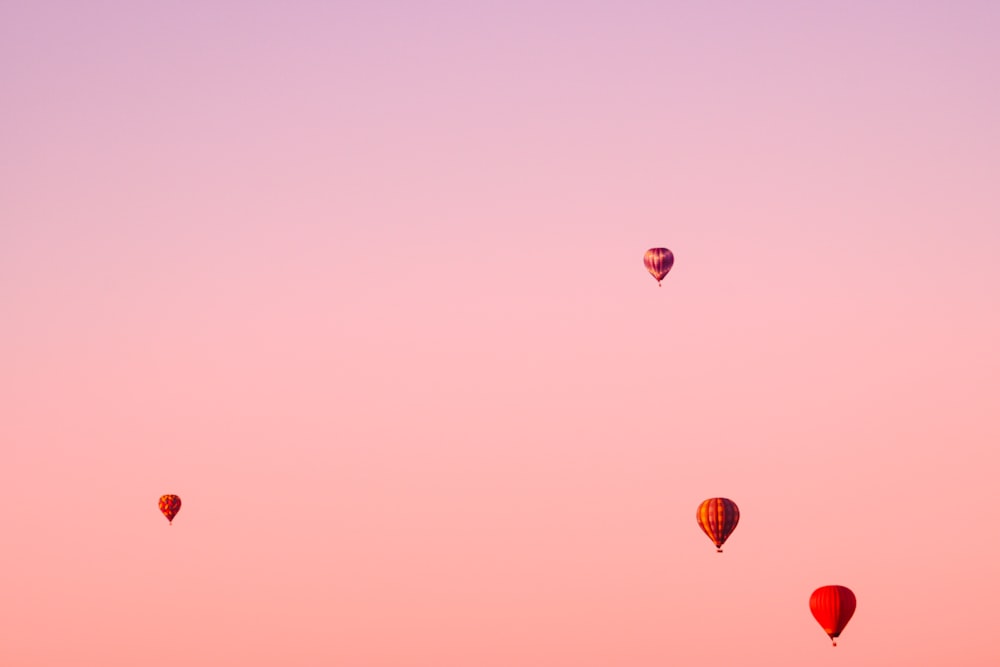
point(170, 505)
point(833, 606)
point(718, 518)
point(658, 262)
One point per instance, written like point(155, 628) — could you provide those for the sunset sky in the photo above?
point(362, 283)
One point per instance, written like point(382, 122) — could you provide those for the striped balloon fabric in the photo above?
point(170, 505)
point(658, 262)
point(718, 518)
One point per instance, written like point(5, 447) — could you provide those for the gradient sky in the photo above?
point(362, 283)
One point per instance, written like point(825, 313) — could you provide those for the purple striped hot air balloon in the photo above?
point(658, 262)
point(718, 518)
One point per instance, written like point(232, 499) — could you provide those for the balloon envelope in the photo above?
point(832, 607)
point(170, 505)
point(658, 262)
point(718, 518)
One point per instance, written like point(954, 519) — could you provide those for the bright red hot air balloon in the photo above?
point(658, 262)
point(718, 518)
point(170, 505)
point(833, 606)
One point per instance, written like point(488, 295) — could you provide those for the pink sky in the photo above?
point(363, 284)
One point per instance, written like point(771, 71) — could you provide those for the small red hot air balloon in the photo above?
point(658, 262)
point(718, 518)
point(170, 505)
point(833, 606)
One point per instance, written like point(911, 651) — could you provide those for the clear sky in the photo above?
point(362, 282)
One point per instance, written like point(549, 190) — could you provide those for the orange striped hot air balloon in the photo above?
point(718, 518)
point(658, 262)
point(832, 607)
point(170, 505)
